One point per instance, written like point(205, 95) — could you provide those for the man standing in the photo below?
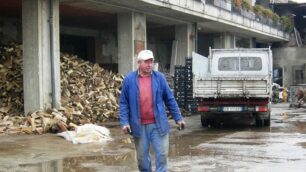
point(143, 98)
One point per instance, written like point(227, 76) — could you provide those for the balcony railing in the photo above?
point(225, 10)
point(227, 5)
point(221, 3)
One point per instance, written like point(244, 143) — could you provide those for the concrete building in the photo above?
point(290, 57)
point(112, 32)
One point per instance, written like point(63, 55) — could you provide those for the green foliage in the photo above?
point(275, 19)
point(246, 5)
point(267, 12)
point(258, 9)
point(286, 24)
point(242, 4)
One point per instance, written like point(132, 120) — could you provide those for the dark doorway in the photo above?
point(204, 42)
point(82, 46)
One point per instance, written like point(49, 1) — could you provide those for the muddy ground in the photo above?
point(231, 147)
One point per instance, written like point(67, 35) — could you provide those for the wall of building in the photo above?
point(162, 55)
point(160, 40)
point(290, 60)
point(106, 50)
point(10, 30)
point(96, 45)
point(109, 47)
point(243, 42)
point(224, 40)
point(103, 48)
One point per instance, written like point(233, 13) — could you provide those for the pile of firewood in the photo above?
point(89, 94)
point(88, 91)
point(11, 88)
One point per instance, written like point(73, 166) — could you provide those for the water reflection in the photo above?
point(118, 161)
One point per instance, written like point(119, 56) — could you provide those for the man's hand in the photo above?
point(126, 129)
point(181, 125)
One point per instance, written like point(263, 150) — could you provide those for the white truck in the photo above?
point(233, 82)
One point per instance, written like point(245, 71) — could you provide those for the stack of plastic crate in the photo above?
point(190, 103)
point(179, 85)
point(183, 86)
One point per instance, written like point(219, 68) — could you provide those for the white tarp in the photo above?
point(88, 133)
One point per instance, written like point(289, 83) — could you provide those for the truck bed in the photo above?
point(217, 87)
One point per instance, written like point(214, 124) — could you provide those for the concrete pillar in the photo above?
point(131, 39)
point(228, 40)
point(36, 55)
point(185, 37)
point(253, 43)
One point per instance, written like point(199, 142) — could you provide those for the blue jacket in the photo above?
point(162, 95)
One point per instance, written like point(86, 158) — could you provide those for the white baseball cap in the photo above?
point(145, 55)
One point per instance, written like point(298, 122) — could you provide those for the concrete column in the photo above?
point(37, 55)
point(185, 37)
point(253, 43)
point(131, 39)
point(228, 40)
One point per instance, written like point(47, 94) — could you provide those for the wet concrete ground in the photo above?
point(238, 147)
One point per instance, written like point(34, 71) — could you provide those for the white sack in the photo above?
point(88, 133)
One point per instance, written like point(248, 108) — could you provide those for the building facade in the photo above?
point(112, 32)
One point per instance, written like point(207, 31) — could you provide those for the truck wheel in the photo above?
point(263, 119)
point(207, 120)
point(259, 122)
point(204, 121)
point(267, 120)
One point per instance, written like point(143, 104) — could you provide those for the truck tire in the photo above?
point(259, 122)
point(207, 121)
point(204, 121)
point(267, 120)
point(263, 119)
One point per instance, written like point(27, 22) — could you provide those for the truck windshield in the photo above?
point(240, 64)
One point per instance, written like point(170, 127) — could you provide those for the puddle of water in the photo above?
point(119, 160)
point(303, 144)
point(50, 153)
point(280, 147)
point(244, 151)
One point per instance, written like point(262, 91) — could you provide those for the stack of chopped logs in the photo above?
point(11, 88)
point(89, 95)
